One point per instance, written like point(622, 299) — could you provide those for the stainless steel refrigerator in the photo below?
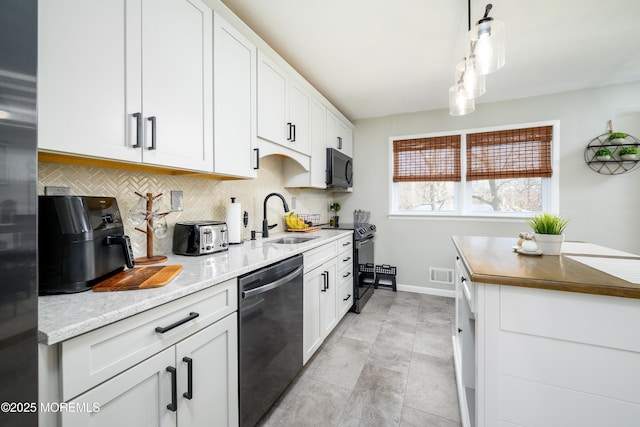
point(18, 201)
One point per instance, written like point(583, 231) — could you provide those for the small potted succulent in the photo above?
point(548, 229)
point(617, 138)
point(603, 154)
point(628, 153)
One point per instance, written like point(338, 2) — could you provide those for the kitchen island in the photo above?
point(546, 340)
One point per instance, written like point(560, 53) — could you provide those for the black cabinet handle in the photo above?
point(327, 273)
point(459, 330)
point(189, 393)
point(138, 117)
point(289, 138)
point(325, 286)
point(257, 150)
point(339, 143)
point(152, 119)
point(347, 298)
point(346, 275)
point(294, 133)
point(346, 259)
point(463, 279)
point(174, 390)
point(164, 329)
point(346, 244)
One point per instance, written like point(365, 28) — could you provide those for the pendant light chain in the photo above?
point(486, 55)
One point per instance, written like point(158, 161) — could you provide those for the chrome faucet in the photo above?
point(265, 224)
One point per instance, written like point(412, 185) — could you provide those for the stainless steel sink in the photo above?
point(291, 240)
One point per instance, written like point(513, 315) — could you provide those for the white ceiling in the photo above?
point(374, 58)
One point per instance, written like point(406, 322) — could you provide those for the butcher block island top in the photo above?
point(493, 260)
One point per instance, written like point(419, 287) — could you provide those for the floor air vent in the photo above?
point(441, 275)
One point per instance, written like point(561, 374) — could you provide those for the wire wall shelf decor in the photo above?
point(612, 156)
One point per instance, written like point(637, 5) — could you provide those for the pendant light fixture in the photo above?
point(460, 103)
point(487, 43)
point(474, 83)
point(486, 54)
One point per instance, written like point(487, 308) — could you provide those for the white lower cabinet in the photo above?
point(208, 361)
point(137, 397)
point(193, 383)
point(319, 306)
point(328, 292)
point(345, 296)
point(173, 365)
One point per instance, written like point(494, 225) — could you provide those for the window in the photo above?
point(497, 172)
point(425, 171)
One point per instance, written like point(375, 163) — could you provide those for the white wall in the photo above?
point(597, 205)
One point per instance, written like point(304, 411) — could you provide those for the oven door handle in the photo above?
point(363, 242)
point(269, 286)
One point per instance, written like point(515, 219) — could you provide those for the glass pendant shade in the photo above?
point(488, 45)
point(474, 83)
point(459, 101)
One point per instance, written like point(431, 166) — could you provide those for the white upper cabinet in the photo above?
point(339, 135)
point(283, 107)
point(299, 107)
point(127, 80)
point(315, 177)
point(234, 98)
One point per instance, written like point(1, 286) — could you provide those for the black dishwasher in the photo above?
point(269, 335)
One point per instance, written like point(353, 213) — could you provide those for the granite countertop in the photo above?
point(61, 317)
point(581, 267)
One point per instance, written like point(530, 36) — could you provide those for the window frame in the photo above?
point(462, 189)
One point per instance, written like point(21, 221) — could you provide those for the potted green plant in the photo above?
point(628, 153)
point(334, 207)
point(603, 154)
point(548, 231)
point(617, 138)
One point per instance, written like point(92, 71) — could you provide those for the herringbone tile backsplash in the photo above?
point(204, 199)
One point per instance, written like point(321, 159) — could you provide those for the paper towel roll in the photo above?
point(234, 221)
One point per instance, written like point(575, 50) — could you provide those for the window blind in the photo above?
point(427, 159)
point(515, 153)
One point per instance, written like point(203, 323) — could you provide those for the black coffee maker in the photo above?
point(81, 242)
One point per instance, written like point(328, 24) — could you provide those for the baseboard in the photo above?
point(427, 290)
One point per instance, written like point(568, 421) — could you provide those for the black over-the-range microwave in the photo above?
point(339, 169)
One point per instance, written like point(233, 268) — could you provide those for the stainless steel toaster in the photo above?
point(200, 237)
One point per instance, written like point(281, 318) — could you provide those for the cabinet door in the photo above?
point(85, 103)
point(234, 94)
point(318, 145)
point(177, 83)
point(210, 359)
point(299, 106)
point(328, 305)
point(272, 101)
point(137, 397)
point(314, 282)
point(339, 136)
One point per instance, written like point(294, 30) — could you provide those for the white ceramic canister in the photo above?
point(234, 221)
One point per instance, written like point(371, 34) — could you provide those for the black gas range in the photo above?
point(363, 261)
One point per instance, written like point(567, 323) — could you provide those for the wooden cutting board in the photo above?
point(139, 278)
point(304, 230)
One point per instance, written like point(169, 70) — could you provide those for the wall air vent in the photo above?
point(441, 275)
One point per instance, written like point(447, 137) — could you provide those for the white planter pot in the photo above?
point(617, 141)
point(549, 244)
point(629, 157)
